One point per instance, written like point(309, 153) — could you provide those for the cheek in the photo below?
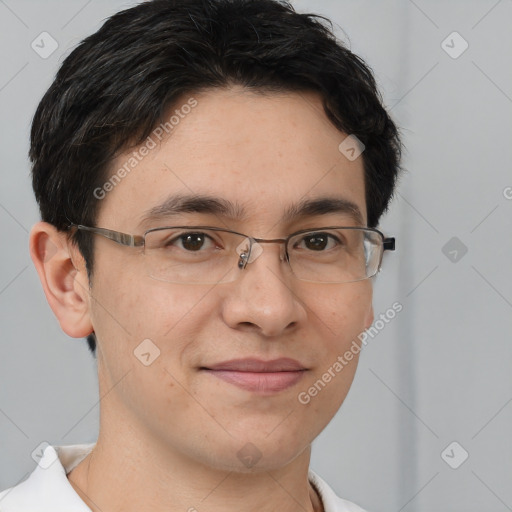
point(146, 330)
point(339, 318)
point(127, 310)
point(341, 314)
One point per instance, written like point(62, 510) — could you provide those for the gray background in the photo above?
point(439, 372)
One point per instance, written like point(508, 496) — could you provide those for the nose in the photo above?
point(264, 298)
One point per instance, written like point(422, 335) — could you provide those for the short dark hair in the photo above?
point(119, 83)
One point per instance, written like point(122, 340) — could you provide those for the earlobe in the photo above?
point(63, 276)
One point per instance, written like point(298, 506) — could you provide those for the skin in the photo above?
point(169, 433)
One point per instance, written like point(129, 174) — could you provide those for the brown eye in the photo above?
point(318, 242)
point(193, 241)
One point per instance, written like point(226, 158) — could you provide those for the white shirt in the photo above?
point(47, 488)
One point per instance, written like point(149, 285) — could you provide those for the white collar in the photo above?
point(47, 488)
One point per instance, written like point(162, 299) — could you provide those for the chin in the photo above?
point(258, 455)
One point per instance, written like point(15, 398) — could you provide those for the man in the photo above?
point(210, 175)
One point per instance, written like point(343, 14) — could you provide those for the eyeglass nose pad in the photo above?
point(242, 262)
point(244, 251)
point(248, 250)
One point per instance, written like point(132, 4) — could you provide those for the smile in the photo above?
point(259, 376)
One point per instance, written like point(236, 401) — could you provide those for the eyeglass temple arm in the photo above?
point(389, 244)
point(116, 236)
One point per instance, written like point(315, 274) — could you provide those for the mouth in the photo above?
point(258, 376)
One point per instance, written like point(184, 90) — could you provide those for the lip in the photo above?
point(257, 375)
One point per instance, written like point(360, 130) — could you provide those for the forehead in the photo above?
point(263, 153)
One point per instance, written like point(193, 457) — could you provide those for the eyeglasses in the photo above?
point(209, 255)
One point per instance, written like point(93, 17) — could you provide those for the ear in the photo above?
point(63, 274)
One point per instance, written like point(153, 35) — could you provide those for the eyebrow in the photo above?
point(324, 206)
point(179, 204)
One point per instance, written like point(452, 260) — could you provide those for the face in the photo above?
point(263, 153)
